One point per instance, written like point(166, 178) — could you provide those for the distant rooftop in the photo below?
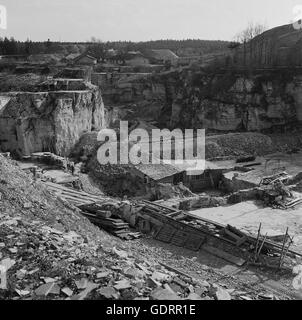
point(161, 54)
point(158, 171)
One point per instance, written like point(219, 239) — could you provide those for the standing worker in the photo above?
point(72, 168)
point(65, 164)
point(34, 171)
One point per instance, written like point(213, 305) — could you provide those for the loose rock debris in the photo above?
point(52, 252)
point(49, 266)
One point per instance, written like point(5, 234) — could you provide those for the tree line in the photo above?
point(10, 46)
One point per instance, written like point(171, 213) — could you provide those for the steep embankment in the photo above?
point(40, 235)
point(52, 252)
point(50, 120)
point(277, 47)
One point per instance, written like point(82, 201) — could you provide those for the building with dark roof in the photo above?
point(160, 173)
point(85, 59)
point(161, 56)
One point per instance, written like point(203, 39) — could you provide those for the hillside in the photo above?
point(277, 47)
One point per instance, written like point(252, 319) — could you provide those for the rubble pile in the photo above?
point(45, 263)
point(240, 144)
point(276, 194)
point(115, 180)
point(24, 82)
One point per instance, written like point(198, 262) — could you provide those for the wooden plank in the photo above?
point(179, 238)
point(232, 235)
point(160, 206)
point(103, 214)
point(166, 234)
point(75, 195)
point(224, 255)
point(216, 224)
point(173, 214)
point(70, 194)
point(179, 217)
point(194, 242)
point(74, 202)
point(291, 205)
point(75, 199)
point(239, 240)
point(235, 231)
point(59, 187)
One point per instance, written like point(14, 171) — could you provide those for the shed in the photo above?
point(136, 58)
point(162, 173)
point(162, 56)
point(85, 59)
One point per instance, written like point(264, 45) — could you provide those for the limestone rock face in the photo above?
point(130, 96)
point(218, 102)
point(294, 89)
point(48, 121)
point(231, 103)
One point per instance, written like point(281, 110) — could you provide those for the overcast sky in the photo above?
point(78, 20)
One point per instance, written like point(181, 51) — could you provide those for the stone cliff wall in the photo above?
point(48, 121)
point(129, 96)
point(219, 102)
point(249, 104)
point(224, 102)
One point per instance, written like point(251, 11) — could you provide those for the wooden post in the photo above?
point(258, 237)
point(282, 261)
point(262, 245)
point(285, 254)
point(283, 246)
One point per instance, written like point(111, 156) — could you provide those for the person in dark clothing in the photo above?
point(72, 168)
point(34, 171)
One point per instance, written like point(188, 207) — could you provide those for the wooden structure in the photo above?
point(227, 242)
point(100, 210)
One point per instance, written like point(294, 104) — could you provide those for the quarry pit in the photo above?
point(241, 215)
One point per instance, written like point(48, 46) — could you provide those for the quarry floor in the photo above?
point(247, 216)
point(51, 172)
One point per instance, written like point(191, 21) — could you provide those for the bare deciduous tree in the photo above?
point(251, 31)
